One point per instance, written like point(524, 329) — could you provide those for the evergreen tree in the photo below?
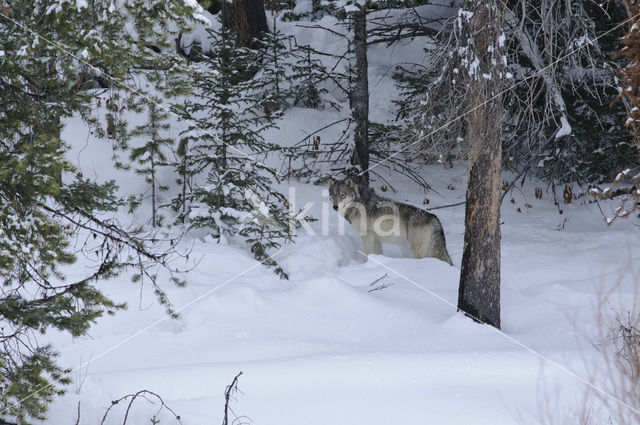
point(152, 155)
point(45, 202)
point(629, 96)
point(184, 166)
point(467, 75)
point(558, 124)
point(225, 147)
point(273, 56)
point(350, 77)
point(481, 61)
point(308, 75)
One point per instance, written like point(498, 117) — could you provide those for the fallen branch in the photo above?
point(381, 287)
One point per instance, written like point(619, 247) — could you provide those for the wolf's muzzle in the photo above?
point(335, 207)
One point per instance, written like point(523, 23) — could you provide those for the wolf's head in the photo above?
point(343, 193)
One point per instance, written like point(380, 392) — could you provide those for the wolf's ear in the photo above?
point(332, 181)
point(349, 183)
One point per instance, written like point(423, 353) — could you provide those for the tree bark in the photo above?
point(247, 19)
point(479, 291)
point(360, 95)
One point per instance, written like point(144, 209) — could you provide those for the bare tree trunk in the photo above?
point(360, 95)
point(154, 211)
point(246, 18)
point(479, 292)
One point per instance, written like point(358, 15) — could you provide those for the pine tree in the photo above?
point(184, 166)
point(152, 155)
point(273, 56)
point(225, 145)
point(464, 99)
point(308, 75)
point(45, 202)
point(482, 64)
point(359, 95)
point(629, 96)
point(351, 79)
point(558, 124)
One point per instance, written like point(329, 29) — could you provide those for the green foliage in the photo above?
point(44, 202)
point(152, 154)
point(596, 149)
point(86, 195)
point(38, 370)
point(225, 146)
point(273, 55)
point(28, 178)
point(308, 74)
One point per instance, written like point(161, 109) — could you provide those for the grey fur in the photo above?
point(378, 219)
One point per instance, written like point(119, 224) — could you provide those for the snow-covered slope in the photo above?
point(323, 348)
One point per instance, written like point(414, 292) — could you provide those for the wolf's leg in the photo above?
point(371, 244)
point(420, 241)
point(377, 247)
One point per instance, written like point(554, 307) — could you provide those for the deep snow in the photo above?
point(320, 348)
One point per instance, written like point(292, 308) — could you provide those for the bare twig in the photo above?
point(380, 287)
point(132, 397)
point(78, 415)
point(232, 388)
point(446, 206)
point(320, 129)
point(318, 26)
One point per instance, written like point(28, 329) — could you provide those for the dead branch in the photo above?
point(446, 206)
point(382, 286)
point(132, 397)
point(78, 415)
point(231, 389)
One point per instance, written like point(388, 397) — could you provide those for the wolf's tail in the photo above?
point(443, 255)
point(440, 248)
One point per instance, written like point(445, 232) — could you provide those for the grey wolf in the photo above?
point(378, 219)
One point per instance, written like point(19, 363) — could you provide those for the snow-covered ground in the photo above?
point(322, 347)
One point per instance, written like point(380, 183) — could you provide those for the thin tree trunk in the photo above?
point(154, 221)
point(479, 292)
point(185, 185)
point(360, 95)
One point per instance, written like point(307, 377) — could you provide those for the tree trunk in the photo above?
point(479, 292)
point(246, 18)
point(154, 212)
point(360, 95)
